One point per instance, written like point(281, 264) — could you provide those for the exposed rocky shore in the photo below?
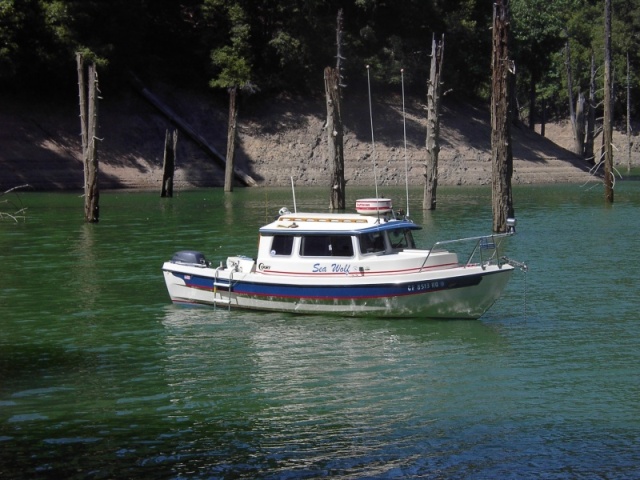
point(278, 139)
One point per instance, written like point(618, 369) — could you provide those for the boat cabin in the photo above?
point(335, 235)
point(337, 243)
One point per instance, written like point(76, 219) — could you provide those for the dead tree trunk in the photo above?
point(92, 196)
point(433, 124)
point(591, 115)
point(89, 126)
point(580, 121)
point(502, 156)
point(543, 118)
point(578, 145)
point(231, 139)
point(82, 100)
point(335, 127)
point(339, 57)
point(335, 136)
point(169, 163)
point(628, 115)
point(532, 102)
point(608, 107)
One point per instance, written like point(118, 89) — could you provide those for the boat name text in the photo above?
point(333, 268)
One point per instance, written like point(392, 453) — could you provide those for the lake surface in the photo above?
point(101, 377)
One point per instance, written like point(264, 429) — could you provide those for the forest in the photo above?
point(264, 46)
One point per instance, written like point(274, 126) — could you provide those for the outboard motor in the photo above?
point(190, 257)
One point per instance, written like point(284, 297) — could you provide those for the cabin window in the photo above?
point(282, 245)
point(326, 246)
point(401, 239)
point(371, 243)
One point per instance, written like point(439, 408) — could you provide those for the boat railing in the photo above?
point(485, 249)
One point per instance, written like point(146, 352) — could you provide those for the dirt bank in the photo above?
point(279, 139)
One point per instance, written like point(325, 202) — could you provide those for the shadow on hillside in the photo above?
point(473, 123)
point(35, 152)
point(386, 120)
point(281, 114)
point(49, 172)
point(207, 119)
point(461, 125)
point(40, 143)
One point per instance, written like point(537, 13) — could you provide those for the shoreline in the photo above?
point(39, 145)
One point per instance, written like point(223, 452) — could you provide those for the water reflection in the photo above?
point(84, 276)
point(228, 209)
point(327, 391)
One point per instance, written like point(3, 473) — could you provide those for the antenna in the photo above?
point(373, 143)
point(293, 190)
point(404, 124)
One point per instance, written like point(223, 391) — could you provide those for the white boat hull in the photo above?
point(464, 292)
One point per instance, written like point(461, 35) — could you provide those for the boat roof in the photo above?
point(341, 223)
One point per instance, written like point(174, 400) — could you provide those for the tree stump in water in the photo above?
point(169, 163)
point(501, 87)
point(433, 124)
point(89, 126)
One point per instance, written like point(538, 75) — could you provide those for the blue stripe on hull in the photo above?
point(330, 292)
point(349, 292)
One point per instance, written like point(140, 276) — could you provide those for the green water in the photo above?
point(101, 377)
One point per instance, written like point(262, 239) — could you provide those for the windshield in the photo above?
point(371, 243)
point(401, 239)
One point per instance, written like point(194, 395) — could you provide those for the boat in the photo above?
point(348, 264)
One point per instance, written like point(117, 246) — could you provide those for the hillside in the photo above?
point(279, 139)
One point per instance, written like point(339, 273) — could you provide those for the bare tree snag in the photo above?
point(578, 142)
point(580, 121)
point(169, 163)
point(335, 127)
point(532, 103)
point(92, 192)
point(628, 115)
point(543, 119)
point(18, 211)
point(433, 124)
point(82, 100)
point(231, 139)
point(339, 57)
point(89, 126)
point(608, 107)
point(502, 156)
point(335, 137)
point(591, 115)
